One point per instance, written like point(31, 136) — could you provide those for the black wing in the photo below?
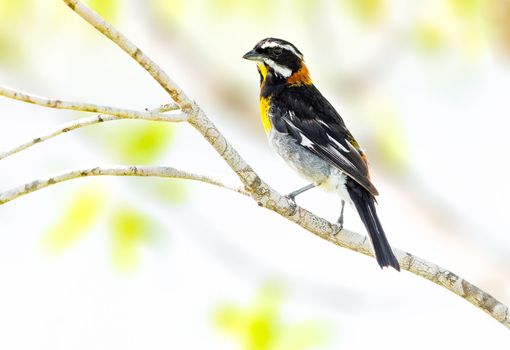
point(307, 116)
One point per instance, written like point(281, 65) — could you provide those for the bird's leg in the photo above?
point(292, 196)
point(340, 220)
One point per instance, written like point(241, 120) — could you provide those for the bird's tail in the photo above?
point(365, 204)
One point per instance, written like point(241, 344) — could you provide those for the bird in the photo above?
point(306, 131)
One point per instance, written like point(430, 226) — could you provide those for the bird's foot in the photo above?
point(339, 227)
point(340, 220)
point(292, 199)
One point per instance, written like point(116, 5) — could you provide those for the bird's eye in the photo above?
point(277, 51)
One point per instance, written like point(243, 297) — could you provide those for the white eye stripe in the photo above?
point(268, 44)
point(278, 69)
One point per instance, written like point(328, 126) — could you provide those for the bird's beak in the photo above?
point(253, 56)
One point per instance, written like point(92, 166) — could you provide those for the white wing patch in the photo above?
point(323, 123)
point(333, 151)
point(305, 141)
point(342, 147)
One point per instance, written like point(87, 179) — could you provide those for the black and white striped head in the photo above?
point(279, 57)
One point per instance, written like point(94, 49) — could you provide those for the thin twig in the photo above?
point(89, 107)
point(167, 107)
point(76, 124)
point(147, 171)
point(61, 130)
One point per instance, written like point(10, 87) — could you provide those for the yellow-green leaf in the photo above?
point(81, 214)
point(170, 11)
point(367, 10)
point(138, 142)
point(12, 10)
point(170, 190)
point(108, 9)
point(223, 7)
point(303, 335)
point(10, 48)
point(429, 37)
point(13, 16)
point(129, 228)
point(257, 10)
point(306, 9)
point(390, 141)
point(466, 8)
point(228, 318)
point(255, 327)
point(259, 327)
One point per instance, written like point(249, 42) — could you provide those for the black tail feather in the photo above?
point(365, 204)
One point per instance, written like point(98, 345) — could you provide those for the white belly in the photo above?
point(308, 165)
point(336, 183)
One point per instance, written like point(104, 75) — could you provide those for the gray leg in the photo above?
point(340, 220)
point(294, 194)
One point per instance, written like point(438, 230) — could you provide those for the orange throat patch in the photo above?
point(301, 77)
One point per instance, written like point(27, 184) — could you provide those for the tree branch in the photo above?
point(89, 107)
point(76, 124)
point(141, 171)
point(269, 198)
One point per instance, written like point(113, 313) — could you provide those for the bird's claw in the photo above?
point(291, 199)
point(339, 228)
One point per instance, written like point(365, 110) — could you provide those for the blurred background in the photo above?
point(125, 263)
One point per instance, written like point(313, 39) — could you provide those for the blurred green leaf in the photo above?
point(253, 9)
point(13, 15)
point(258, 326)
point(130, 228)
point(170, 11)
point(170, 190)
point(82, 213)
point(302, 336)
point(13, 10)
point(473, 23)
point(466, 8)
point(108, 9)
point(367, 10)
point(223, 7)
point(306, 8)
point(228, 318)
point(429, 37)
point(10, 49)
point(255, 327)
point(258, 9)
point(390, 140)
point(138, 142)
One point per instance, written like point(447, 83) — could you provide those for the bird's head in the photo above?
point(279, 60)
